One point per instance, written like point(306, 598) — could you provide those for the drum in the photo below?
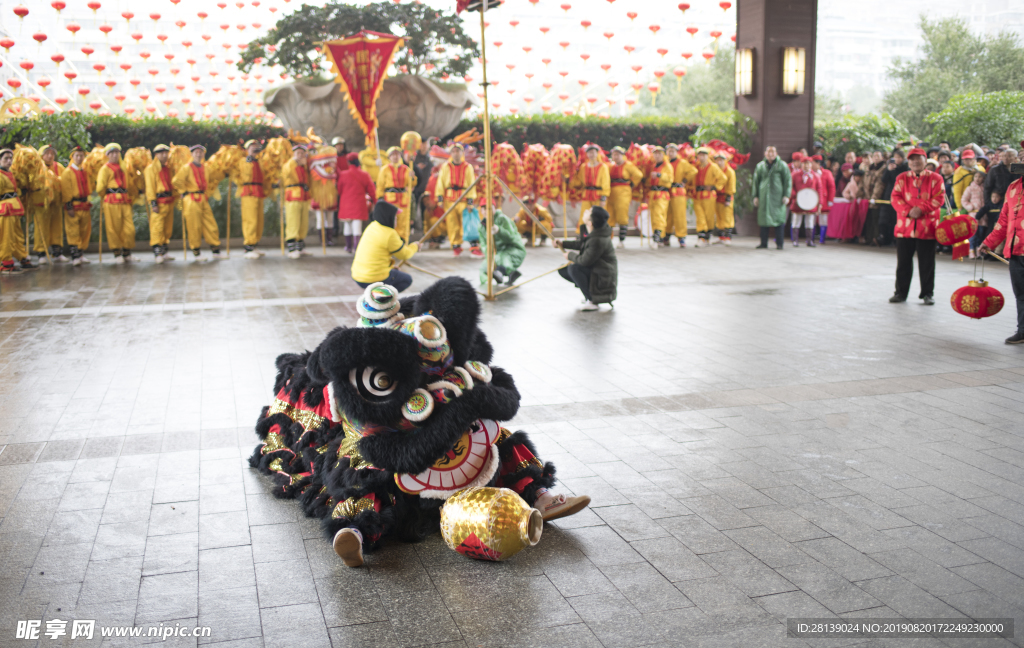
point(807, 200)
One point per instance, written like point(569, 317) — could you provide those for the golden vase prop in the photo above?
point(489, 523)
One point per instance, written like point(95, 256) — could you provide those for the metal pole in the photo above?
point(488, 187)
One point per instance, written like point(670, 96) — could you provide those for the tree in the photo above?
point(435, 43)
point(860, 133)
point(992, 118)
point(828, 106)
point(953, 61)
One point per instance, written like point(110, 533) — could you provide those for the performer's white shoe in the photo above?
point(295, 254)
point(589, 306)
point(119, 260)
point(348, 544)
point(251, 254)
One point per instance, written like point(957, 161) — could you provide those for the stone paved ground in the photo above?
point(764, 437)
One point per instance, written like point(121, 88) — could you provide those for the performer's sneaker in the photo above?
point(897, 299)
point(512, 277)
point(928, 301)
point(10, 268)
point(158, 258)
point(476, 252)
point(42, 260)
point(119, 260)
point(251, 254)
point(553, 506)
point(621, 245)
point(456, 250)
point(295, 254)
point(85, 259)
point(589, 306)
point(1016, 338)
point(682, 243)
point(77, 261)
point(726, 240)
point(702, 242)
point(216, 255)
point(348, 544)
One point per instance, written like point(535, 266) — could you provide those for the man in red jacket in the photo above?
point(1010, 231)
point(917, 197)
point(356, 193)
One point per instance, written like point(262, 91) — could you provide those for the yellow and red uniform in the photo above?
point(707, 181)
point(525, 224)
point(112, 187)
point(452, 180)
point(250, 180)
point(190, 182)
point(725, 220)
point(75, 191)
point(623, 178)
point(160, 190)
point(594, 183)
point(12, 241)
point(660, 192)
point(394, 185)
point(682, 173)
point(296, 200)
point(46, 207)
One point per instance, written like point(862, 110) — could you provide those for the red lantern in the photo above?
point(708, 56)
point(70, 76)
point(7, 44)
point(655, 29)
point(629, 49)
point(58, 5)
point(83, 91)
point(632, 15)
point(662, 51)
point(609, 35)
point(129, 109)
point(127, 15)
point(692, 31)
point(154, 16)
point(39, 37)
point(87, 51)
point(20, 12)
point(683, 6)
point(57, 58)
point(116, 49)
point(725, 5)
point(566, 6)
point(586, 23)
point(106, 29)
point(716, 34)
point(26, 65)
point(94, 6)
point(43, 82)
point(137, 36)
point(955, 229)
point(61, 101)
point(14, 83)
point(977, 300)
point(202, 15)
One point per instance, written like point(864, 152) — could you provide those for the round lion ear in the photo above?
point(313, 368)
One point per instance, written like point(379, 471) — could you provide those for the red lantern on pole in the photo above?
point(94, 6)
point(7, 44)
point(127, 15)
point(39, 37)
point(692, 31)
point(58, 5)
point(977, 300)
point(87, 51)
point(955, 229)
point(21, 11)
point(106, 29)
point(57, 58)
point(725, 5)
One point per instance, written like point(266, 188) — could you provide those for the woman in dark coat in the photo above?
point(592, 264)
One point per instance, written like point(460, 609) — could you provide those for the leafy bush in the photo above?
point(991, 118)
point(66, 130)
point(576, 131)
point(860, 133)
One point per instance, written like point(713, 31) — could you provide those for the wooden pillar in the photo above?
point(769, 26)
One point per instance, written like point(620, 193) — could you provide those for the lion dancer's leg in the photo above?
point(524, 473)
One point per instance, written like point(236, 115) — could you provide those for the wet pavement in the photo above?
point(763, 435)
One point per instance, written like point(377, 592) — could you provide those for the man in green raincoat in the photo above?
point(509, 250)
point(772, 186)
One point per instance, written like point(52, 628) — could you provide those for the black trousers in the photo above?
point(1017, 281)
point(870, 231)
point(886, 224)
point(778, 234)
point(905, 250)
point(579, 275)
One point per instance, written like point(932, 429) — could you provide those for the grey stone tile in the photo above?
point(276, 542)
point(934, 547)
point(995, 580)
point(768, 547)
point(348, 601)
point(747, 573)
point(646, 588)
point(174, 517)
point(224, 530)
point(286, 583)
point(631, 523)
point(171, 553)
point(379, 635)
point(828, 588)
point(112, 580)
point(843, 559)
point(603, 546)
point(84, 495)
point(279, 624)
point(673, 560)
point(235, 613)
point(419, 617)
point(226, 568)
point(120, 540)
point(1005, 555)
point(166, 597)
point(697, 535)
point(127, 506)
point(73, 527)
point(907, 599)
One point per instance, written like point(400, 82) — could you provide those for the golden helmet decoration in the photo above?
point(489, 523)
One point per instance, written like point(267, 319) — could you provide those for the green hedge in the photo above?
point(66, 130)
point(574, 130)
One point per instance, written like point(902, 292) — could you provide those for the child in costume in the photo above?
point(471, 230)
point(375, 428)
point(509, 250)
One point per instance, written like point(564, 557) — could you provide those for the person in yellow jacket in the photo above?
point(706, 183)
point(190, 183)
point(593, 181)
point(683, 174)
point(378, 245)
point(660, 192)
point(394, 186)
point(12, 237)
point(724, 221)
point(112, 188)
point(964, 176)
point(75, 190)
point(456, 176)
point(623, 177)
point(248, 175)
point(161, 197)
point(45, 206)
point(295, 176)
point(525, 225)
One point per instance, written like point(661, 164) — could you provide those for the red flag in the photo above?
point(360, 64)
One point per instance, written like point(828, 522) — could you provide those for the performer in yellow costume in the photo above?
point(248, 175)
point(190, 183)
point(660, 180)
point(708, 180)
point(725, 222)
point(456, 176)
point(12, 238)
point(394, 185)
point(525, 224)
point(295, 176)
point(45, 206)
point(75, 191)
point(161, 197)
point(593, 181)
point(683, 173)
point(624, 177)
point(112, 188)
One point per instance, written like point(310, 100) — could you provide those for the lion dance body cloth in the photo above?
point(380, 424)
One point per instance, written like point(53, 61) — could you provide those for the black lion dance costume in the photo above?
point(375, 428)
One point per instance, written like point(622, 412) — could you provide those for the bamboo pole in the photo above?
point(523, 283)
point(323, 230)
point(565, 213)
point(536, 221)
point(184, 235)
point(488, 185)
point(227, 252)
point(427, 233)
point(280, 211)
